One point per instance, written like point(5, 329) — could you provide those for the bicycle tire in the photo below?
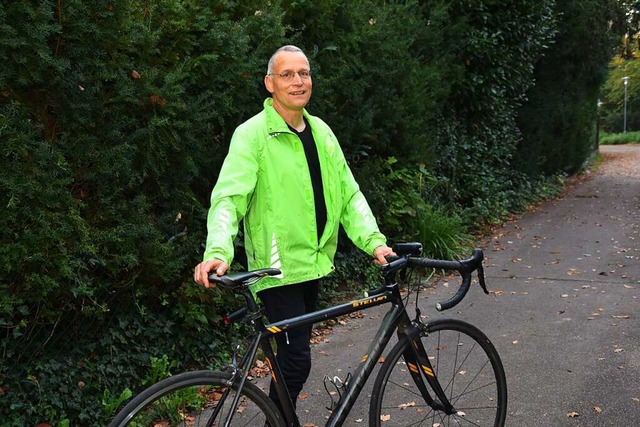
point(189, 399)
point(468, 368)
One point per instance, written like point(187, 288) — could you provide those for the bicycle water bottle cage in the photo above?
point(340, 387)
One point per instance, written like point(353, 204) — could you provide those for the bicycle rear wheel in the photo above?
point(190, 399)
point(468, 368)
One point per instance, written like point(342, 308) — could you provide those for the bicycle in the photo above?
point(442, 372)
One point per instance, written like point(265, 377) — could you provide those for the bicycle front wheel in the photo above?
point(468, 368)
point(199, 398)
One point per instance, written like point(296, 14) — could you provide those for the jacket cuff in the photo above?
point(208, 256)
point(373, 244)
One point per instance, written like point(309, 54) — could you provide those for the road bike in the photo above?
point(444, 372)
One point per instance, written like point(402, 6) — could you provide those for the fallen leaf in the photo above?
point(636, 399)
point(406, 405)
point(359, 420)
point(385, 418)
point(623, 316)
point(573, 414)
point(303, 396)
point(597, 409)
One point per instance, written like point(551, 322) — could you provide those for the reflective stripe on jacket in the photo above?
point(265, 180)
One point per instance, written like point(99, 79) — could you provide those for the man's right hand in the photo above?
point(202, 270)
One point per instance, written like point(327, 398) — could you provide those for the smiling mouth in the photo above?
point(300, 92)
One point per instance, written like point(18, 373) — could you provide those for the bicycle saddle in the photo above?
point(243, 278)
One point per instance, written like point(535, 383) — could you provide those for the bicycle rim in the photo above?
point(468, 368)
point(191, 399)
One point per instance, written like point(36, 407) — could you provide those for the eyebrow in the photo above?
point(291, 70)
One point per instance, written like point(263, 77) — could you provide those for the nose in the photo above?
point(297, 80)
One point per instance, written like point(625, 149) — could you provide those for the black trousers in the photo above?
point(294, 348)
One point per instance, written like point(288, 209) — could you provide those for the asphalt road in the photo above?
point(564, 311)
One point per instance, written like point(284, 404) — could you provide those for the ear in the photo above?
point(268, 83)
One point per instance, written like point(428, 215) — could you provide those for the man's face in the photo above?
point(289, 95)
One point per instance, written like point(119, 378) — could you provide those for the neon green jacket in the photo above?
point(265, 179)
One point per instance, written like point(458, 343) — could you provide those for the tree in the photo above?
point(557, 121)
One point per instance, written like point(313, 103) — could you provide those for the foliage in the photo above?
point(443, 235)
point(353, 44)
point(557, 123)
point(115, 117)
point(620, 138)
point(497, 45)
point(612, 104)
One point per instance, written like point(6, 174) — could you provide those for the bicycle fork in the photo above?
point(420, 368)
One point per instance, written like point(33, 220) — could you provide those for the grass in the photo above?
point(442, 235)
point(619, 138)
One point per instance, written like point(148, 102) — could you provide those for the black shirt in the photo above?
point(311, 152)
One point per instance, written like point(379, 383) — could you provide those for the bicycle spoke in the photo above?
point(465, 364)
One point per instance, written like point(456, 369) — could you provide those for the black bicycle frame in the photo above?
point(396, 318)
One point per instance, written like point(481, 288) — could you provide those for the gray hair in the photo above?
point(287, 48)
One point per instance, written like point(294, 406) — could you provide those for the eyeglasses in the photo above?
point(289, 75)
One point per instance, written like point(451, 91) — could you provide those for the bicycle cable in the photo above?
point(418, 287)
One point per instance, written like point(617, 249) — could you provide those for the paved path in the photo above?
point(564, 314)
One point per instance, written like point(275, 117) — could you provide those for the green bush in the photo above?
point(620, 138)
point(114, 119)
point(558, 121)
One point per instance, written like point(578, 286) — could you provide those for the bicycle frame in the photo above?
point(396, 318)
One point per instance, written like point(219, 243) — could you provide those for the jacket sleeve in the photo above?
point(231, 194)
point(357, 219)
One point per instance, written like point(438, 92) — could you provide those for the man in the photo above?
point(286, 175)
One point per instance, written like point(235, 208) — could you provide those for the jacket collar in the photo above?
point(275, 122)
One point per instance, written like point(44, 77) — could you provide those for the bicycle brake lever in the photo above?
point(483, 285)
